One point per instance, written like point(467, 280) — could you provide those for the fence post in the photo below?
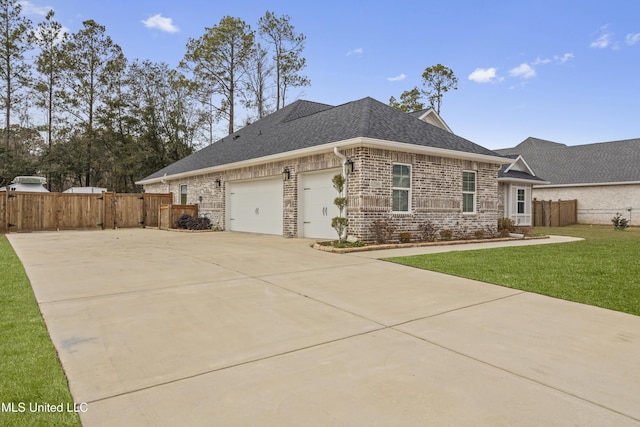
point(3, 212)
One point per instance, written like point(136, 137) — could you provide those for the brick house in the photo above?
point(274, 176)
point(603, 177)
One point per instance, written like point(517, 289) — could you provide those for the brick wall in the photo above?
point(436, 191)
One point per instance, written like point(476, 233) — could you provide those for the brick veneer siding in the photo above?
point(436, 194)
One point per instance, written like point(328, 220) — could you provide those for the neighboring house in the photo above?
point(604, 177)
point(32, 184)
point(274, 176)
point(85, 190)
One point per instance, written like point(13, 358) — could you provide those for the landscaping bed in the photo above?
point(331, 246)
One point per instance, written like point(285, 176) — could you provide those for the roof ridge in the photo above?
point(301, 108)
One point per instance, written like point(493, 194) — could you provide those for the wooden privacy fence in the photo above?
point(24, 212)
point(547, 213)
point(170, 213)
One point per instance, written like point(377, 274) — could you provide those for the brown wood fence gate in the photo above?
point(547, 213)
point(24, 212)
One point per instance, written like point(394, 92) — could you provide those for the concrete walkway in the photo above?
point(165, 329)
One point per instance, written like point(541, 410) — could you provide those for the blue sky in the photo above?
point(566, 71)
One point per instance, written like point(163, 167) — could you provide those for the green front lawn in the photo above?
point(603, 270)
point(30, 373)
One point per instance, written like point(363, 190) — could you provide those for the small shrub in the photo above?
point(464, 233)
point(187, 222)
point(428, 231)
point(382, 229)
point(506, 224)
point(620, 223)
point(526, 231)
point(479, 234)
point(405, 237)
point(446, 234)
point(183, 221)
point(491, 231)
point(339, 223)
point(504, 232)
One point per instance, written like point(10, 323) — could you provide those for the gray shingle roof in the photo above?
point(519, 175)
point(604, 162)
point(305, 124)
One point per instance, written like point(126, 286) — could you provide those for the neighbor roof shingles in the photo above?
point(604, 162)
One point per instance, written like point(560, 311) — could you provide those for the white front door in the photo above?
point(256, 206)
point(316, 195)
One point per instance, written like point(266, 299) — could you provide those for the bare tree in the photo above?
point(287, 53)
point(219, 59)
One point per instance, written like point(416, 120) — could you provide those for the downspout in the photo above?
point(346, 185)
point(164, 181)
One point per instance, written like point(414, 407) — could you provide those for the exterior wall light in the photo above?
point(348, 166)
point(218, 182)
point(286, 174)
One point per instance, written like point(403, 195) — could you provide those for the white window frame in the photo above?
point(474, 193)
point(186, 189)
point(520, 218)
point(522, 202)
point(407, 189)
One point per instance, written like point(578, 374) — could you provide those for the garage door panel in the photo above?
point(317, 205)
point(256, 206)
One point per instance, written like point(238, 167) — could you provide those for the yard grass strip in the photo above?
point(30, 372)
point(603, 270)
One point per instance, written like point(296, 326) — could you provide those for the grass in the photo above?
point(30, 372)
point(603, 270)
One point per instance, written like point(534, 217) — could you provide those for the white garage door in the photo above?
point(256, 206)
point(316, 204)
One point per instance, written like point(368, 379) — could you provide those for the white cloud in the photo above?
point(604, 40)
point(484, 75)
point(564, 58)
point(359, 51)
point(397, 78)
point(161, 23)
point(632, 39)
point(539, 61)
point(523, 70)
point(29, 8)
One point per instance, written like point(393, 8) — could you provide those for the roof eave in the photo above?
point(523, 180)
point(589, 184)
point(347, 143)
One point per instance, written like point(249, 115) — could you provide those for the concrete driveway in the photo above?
point(160, 328)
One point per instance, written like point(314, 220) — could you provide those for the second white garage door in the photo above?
point(316, 204)
point(256, 206)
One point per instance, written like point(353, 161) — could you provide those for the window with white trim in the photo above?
point(183, 194)
point(401, 187)
point(468, 192)
point(521, 201)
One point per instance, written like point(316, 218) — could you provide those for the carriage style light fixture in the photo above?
point(348, 166)
point(218, 182)
point(286, 174)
